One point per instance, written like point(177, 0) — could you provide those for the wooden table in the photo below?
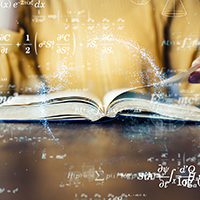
point(121, 159)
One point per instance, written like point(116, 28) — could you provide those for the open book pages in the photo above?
point(183, 76)
point(135, 103)
point(72, 105)
point(55, 97)
point(146, 105)
point(82, 105)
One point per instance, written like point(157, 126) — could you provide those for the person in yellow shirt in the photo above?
point(96, 45)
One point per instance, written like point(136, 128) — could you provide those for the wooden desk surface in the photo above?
point(122, 159)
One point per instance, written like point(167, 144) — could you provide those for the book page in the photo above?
point(59, 96)
point(139, 105)
point(110, 96)
point(54, 111)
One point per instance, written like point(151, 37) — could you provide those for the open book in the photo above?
point(81, 105)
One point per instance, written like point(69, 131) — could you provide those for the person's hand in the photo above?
point(8, 17)
point(195, 76)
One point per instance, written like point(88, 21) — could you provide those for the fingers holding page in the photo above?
point(195, 76)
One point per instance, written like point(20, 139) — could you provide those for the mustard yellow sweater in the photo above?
point(99, 45)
